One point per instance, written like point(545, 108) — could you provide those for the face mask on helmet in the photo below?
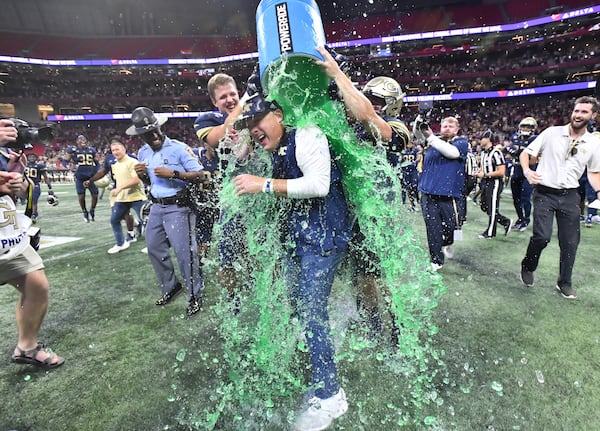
point(52, 200)
point(527, 126)
point(387, 89)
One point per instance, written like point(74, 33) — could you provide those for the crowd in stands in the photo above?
point(498, 67)
point(99, 134)
point(500, 115)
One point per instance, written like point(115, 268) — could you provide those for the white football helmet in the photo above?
point(527, 126)
point(52, 200)
point(387, 89)
point(103, 182)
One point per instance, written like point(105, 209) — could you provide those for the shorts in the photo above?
point(23, 264)
point(79, 187)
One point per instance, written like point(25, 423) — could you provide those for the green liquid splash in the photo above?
point(263, 366)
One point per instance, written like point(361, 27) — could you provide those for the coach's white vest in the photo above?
point(13, 229)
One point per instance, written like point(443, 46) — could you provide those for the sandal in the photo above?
point(29, 357)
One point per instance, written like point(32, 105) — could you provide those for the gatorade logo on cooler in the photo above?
point(283, 28)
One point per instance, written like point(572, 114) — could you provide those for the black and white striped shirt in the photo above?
point(490, 160)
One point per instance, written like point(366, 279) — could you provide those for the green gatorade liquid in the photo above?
point(262, 371)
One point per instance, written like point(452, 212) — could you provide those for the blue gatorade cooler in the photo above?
point(287, 28)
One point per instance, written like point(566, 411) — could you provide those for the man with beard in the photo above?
point(441, 185)
point(567, 150)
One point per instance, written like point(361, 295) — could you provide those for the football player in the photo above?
point(410, 176)
point(520, 187)
point(374, 115)
point(83, 160)
point(211, 128)
point(36, 172)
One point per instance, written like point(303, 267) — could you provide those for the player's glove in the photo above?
point(253, 85)
point(417, 129)
point(344, 65)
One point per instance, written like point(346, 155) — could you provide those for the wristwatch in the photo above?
point(175, 174)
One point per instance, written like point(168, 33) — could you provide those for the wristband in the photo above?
point(268, 186)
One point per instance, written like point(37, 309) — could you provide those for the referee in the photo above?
point(492, 181)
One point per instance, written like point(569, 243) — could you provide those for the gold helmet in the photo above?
point(387, 89)
point(527, 126)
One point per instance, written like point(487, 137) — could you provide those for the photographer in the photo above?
point(20, 265)
point(441, 185)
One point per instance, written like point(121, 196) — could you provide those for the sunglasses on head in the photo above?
point(572, 149)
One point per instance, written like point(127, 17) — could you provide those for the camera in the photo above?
point(423, 126)
point(27, 135)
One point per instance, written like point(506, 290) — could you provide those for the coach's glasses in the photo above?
point(572, 148)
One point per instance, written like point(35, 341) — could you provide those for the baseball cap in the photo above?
point(255, 107)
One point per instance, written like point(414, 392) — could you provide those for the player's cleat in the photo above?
point(117, 248)
point(588, 221)
point(131, 238)
point(436, 266)
point(484, 236)
point(527, 277)
point(566, 292)
point(92, 215)
point(34, 218)
point(86, 216)
point(523, 227)
point(321, 412)
point(508, 227)
point(448, 251)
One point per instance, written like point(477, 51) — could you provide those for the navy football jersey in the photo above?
point(84, 159)
point(35, 171)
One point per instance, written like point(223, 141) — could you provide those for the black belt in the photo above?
point(553, 191)
point(440, 197)
point(172, 200)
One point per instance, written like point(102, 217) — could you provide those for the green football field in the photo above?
point(515, 358)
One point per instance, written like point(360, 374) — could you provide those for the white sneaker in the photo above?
point(117, 248)
point(448, 251)
point(144, 250)
point(321, 413)
point(436, 266)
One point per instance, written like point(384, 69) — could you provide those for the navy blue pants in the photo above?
point(441, 219)
point(309, 280)
point(521, 193)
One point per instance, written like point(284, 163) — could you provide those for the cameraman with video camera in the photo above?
point(20, 264)
point(441, 185)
